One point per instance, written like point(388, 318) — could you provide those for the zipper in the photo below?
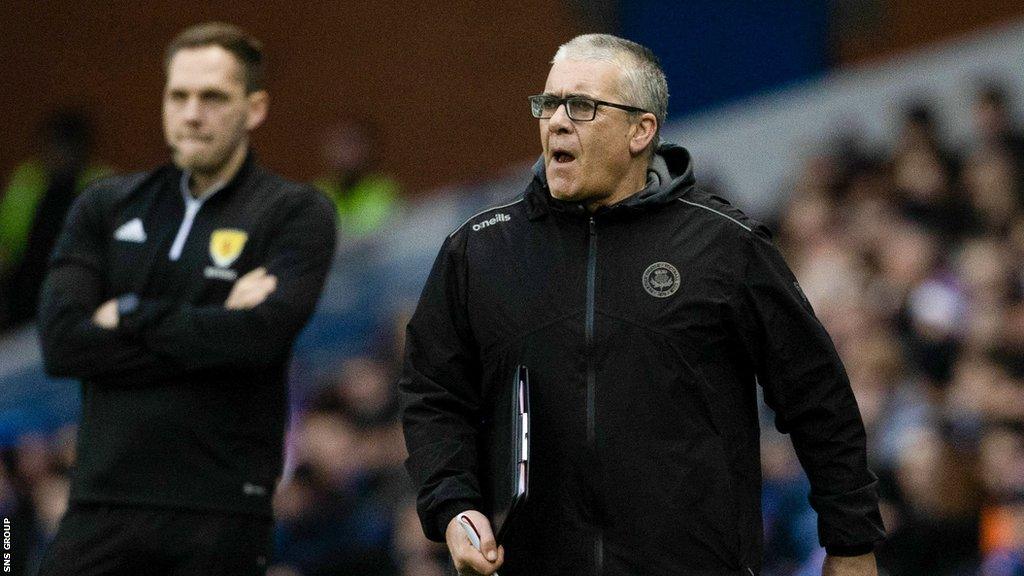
point(591, 374)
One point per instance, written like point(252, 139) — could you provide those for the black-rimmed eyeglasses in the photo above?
point(579, 108)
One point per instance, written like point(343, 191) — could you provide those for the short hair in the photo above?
point(247, 49)
point(644, 82)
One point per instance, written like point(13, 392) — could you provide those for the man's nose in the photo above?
point(560, 122)
point(193, 110)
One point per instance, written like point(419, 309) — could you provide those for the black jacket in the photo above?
point(184, 405)
point(644, 327)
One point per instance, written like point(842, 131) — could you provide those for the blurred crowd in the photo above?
point(913, 258)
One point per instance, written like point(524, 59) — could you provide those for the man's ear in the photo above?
point(259, 104)
point(643, 133)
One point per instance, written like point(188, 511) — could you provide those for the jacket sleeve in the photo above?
point(299, 254)
point(806, 385)
point(441, 396)
point(74, 288)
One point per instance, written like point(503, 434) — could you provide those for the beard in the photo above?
point(207, 159)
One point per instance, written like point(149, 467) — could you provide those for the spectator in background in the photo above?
point(937, 282)
point(330, 523)
point(348, 507)
point(994, 123)
point(33, 207)
point(364, 197)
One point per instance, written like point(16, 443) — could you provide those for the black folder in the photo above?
point(507, 453)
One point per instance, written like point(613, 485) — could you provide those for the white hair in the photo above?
point(643, 80)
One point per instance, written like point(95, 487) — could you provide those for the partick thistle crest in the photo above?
point(226, 246)
point(661, 279)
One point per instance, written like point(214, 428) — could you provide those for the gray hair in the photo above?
point(643, 80)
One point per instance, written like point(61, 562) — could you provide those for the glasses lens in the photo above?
point(543, 106)
point(581, 108)
point(537, 106)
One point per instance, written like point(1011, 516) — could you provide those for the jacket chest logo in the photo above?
point(226, 246)
point(661, 279)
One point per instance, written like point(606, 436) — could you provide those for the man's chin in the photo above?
point(563, 193)
point(196, 164)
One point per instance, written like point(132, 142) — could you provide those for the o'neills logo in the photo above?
point(497, 218)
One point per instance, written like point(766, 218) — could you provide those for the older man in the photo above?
point(646, 310)
point(174, 296)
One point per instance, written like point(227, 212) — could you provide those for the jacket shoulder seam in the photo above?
point(722, 214)
point(463, 225)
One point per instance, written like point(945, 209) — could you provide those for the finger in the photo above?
point(474, 563)
point(251, 278)
point(106, 315)
point(265, 288)
point(255, 294)
point(237, 296)
point(251, 289)
point(488, 547)
point(259, 286)
point(251, 300)
point(255, 273)
point(246, 297)
point(468, 560)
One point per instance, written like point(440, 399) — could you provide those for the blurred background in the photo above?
point(881, 140)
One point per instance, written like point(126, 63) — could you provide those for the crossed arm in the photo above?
point(83, 336)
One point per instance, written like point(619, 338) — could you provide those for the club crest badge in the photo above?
point(661, 279)
point(226, 246)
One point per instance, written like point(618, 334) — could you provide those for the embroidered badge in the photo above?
point(226, 246)
point(661, 279)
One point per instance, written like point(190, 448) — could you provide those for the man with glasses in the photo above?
point(644, 309)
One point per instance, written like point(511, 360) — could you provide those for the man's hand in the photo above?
point(251, 290)
point(468, 560)
point(850, 566)
point(106, 315)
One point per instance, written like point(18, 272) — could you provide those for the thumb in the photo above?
point(488, 547)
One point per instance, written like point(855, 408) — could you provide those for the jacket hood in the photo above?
point(669, 176)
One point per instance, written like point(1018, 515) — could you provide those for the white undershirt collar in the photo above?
point(192, 206)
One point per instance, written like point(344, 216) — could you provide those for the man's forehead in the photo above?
point(204, 65)
point(587, 77)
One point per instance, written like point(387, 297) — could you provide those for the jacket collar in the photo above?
point(225, 188)
point(669, 177)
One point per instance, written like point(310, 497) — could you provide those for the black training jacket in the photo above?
point(184, 405)
point(644, 327)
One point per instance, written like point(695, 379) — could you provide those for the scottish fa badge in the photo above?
point(226, 246)
point(661, 279)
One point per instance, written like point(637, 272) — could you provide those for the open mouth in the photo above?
point(562, 157)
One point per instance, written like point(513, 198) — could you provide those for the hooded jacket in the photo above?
point(646, 326)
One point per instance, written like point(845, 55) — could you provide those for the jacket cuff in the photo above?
point(849, 521)
point(443, 516)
